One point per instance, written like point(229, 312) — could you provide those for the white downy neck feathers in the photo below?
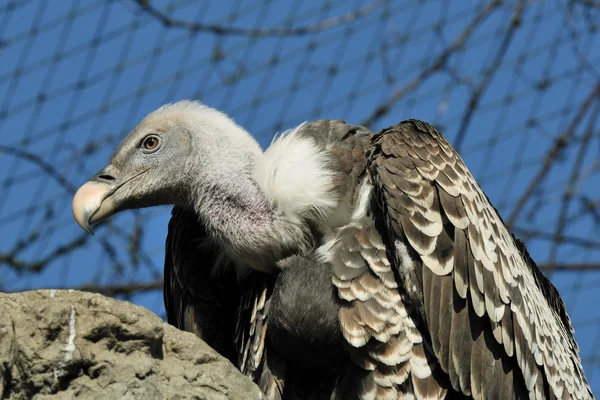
point(294, 175)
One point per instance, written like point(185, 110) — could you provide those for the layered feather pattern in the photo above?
point(497, 327)
point(377, 318)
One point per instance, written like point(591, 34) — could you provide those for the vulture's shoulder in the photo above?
point(334, 133)
point(346, 145)
point(431, 203)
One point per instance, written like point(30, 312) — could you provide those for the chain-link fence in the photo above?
point(515, 85)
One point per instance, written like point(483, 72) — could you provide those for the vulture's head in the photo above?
point(194, 156)
point(172, 154)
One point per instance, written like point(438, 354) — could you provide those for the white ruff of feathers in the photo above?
point(294, 175)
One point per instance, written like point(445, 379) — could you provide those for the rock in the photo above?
point(66, 344)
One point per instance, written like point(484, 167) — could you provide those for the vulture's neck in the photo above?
point(261, 208)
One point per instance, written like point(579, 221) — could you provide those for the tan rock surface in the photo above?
point(68, 344)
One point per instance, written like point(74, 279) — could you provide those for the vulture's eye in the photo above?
point(150, 143)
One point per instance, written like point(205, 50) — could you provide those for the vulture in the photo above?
point(339, 263)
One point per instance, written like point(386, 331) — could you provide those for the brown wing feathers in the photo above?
point(378, 322)
point(497, 326)
point(194, 301)
point(230, 317)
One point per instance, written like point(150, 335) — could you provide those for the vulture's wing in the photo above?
point(229, 316)
point(256, 358)
point(196, 300)
point(439, 297)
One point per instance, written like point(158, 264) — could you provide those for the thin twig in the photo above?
point(571, 186)
point(43, 165)
point(473, 103)
point(547, 268)
point(559, 145)
point(591, 208)
point(125, 289)
point(573, 240)
point(263, 32)
point(36, 266)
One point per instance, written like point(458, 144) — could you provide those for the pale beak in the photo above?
point(93, 202)
point(90, 204)
point(102, 197)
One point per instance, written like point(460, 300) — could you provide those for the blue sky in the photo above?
point(77, 75)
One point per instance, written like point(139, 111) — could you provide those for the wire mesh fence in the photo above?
point(515, 86)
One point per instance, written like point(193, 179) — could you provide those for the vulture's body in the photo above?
point(339, 264)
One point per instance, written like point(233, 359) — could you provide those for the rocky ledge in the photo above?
point(57, 344)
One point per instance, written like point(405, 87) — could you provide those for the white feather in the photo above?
point(362, 206)
point(294, 174)
point(406, 261)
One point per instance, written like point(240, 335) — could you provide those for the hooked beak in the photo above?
point(94, 201)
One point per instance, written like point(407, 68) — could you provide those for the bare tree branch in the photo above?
point(591, 361)
point(18, 264)
point(264, 32)
point(570, 189)
point(438, 64)
point(126, 289)
point(548, 268)
point(559, 145)
point(43, 165)
point(561, 238)
point(592, 208)
point(473, 103)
